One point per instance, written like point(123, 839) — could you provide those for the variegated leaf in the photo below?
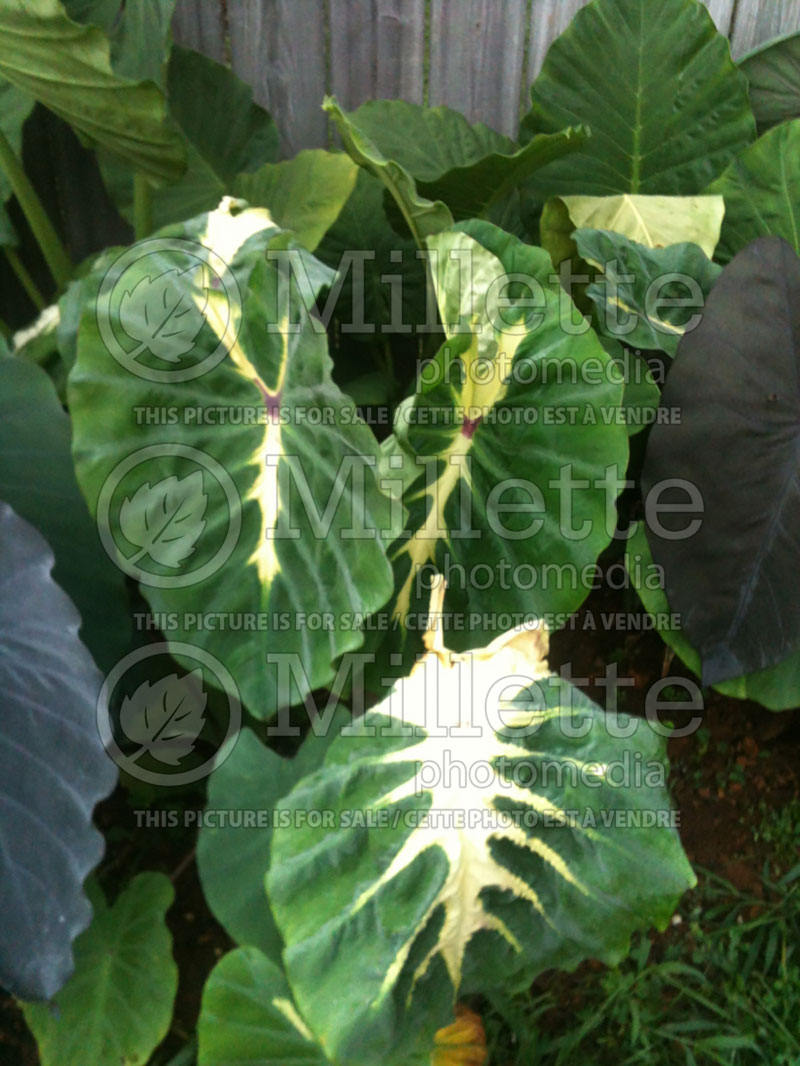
point(480, 825)
point(521, 404)
point(295, 523)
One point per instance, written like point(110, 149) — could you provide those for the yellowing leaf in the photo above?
point(461, 1044)
point(655, 221)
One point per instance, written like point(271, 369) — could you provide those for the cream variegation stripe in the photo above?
point(474, 396)
point(471, 866)
point(225, 234)
point(616, 301)
point(289, 1011)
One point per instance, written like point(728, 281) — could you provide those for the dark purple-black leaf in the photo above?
point(736, 383)
point(53, 768)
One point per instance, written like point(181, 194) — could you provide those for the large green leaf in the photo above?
point(305, 194)
point(773, 72)
point(67, 67)
point(117, 1005)
point(512, 410)
point(646, 297)
point(37, 478)
point(469, 168)
point(656, 85)
point(732, 453)
point(224, 132)
point(232, 852)
point(451, 860)
point(276, 514)
point(248, 1017)
point(52, 766)
point(777, 687)
point(762, 192)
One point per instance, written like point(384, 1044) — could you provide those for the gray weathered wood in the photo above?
point(293, 51)
point(377, 50)
point(278, 47)
point(722, 13)
point(549, 19)
point(756, 21)
point(477, 59)
point(199, 24)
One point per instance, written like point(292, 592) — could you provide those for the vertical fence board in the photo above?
point(400, 43)
point(758, 20)
point(377, 50)
point(477, 59)
point(199, 24)
point(353, 51)
point(722, 13)
point(279, 47)
point(549, 19)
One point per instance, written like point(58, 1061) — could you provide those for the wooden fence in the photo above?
point(478, 56)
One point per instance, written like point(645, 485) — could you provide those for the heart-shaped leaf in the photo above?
point(296, 523)
point(305, 194)
point(506, 417)
point(37, 478)
point(656, 85)
point(654, 221)
point(731, 458)
point(223, 130)
point(421, 215)
point(248, 1017)
point(52, 765)
point(461, 861)
point(777, 687)
point(233, 856)
point(468, 167)
point(117, 1006)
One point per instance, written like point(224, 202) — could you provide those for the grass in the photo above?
point(721, 987)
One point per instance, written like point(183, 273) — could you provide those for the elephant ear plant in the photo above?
point(345, 435)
